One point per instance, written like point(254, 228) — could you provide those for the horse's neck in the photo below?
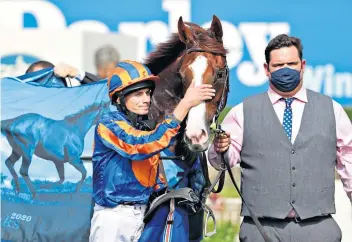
point(168, 93)
point(83, 123)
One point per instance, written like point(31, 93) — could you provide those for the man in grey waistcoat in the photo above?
point(288, 141)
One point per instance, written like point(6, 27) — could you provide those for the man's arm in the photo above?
point(64, 70)
point(344, 147)
point(85, 77)
point(89, 78)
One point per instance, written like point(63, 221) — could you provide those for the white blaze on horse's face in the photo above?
point(196, 129)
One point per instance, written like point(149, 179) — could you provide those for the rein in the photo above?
point(222, 76)
point(220, 177)
point(226, 166)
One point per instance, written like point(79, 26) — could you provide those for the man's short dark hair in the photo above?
point(280, 41)
point(42, 64)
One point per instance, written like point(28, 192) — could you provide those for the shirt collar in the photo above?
point(301, 95)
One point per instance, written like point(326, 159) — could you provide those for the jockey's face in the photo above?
point(139, 101)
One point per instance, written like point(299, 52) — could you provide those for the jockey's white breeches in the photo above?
point(123, 223)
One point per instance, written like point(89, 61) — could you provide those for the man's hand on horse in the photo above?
point(65, 70)
point(222, 142)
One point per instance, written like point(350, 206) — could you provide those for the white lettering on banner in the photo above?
point(329, 80)
point(254, 36)
point(324, 79)
point(155, 31)
point(314, 77)
point(343, 85)
point(177, 8)
point(89, 25)
point(232, 41)
point(47, 15)
point(138, 30)
point(251, 73)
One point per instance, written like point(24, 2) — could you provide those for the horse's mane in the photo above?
point(166, 53)
point(92, 107)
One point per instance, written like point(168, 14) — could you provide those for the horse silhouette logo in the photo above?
point(59, 141)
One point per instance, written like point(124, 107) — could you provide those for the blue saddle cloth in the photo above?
point(179, 174)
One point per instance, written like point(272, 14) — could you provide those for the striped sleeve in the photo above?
point(135, 144)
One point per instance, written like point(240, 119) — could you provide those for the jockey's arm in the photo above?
point(135, 144)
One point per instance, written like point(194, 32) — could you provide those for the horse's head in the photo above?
point(203, 62)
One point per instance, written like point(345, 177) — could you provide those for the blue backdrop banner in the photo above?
point(323, 26)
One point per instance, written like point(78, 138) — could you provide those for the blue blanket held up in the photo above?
point(45, 130)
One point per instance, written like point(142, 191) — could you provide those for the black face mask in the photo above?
point(286, 79)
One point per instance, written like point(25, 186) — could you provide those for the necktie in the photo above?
point(287, 122)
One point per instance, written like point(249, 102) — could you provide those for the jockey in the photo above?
point(126, 151)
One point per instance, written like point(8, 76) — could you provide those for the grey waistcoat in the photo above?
point(278, 175)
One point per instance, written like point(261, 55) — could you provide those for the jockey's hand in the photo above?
point(193, 96)
point(65, 70)
point(198, 94)
point(222, 142)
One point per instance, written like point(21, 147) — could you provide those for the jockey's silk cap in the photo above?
point(127, 74)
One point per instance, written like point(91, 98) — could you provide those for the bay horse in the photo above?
point(197, 55)
point(192, 54)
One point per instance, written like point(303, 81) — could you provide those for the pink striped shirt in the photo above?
point(233, 123)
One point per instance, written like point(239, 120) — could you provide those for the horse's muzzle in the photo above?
point(196, 147)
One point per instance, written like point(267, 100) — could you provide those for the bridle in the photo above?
point(222, 76)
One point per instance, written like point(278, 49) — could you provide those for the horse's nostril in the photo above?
point(196, 137)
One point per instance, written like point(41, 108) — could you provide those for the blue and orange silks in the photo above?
point(125, 160)
point(179, 174)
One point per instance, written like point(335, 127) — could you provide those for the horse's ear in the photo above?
point(216, 28)
point(184, 32)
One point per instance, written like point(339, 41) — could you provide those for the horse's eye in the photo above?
point(219, 75)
